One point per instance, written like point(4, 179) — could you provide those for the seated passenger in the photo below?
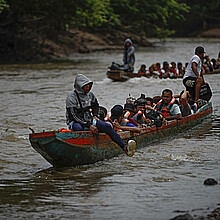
point(184, 105)
point(82, 110)
point(149, 105)
point(165, 66)
point(173, 69)
point(117, 114)
point(180, 69)
point(205, 68)
point(168, 107)
point(128, 114)
point(102, 113)
point(139, 116)
point(158, 68)
point(186, 64)
point(208, 63)
point(166, 72)
point(150, 101)
point(142, 70)
point(156, 118)
point(156, 99)
point(151, 71)
point(155, 71)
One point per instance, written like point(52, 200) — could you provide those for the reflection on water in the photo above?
point(160, 180)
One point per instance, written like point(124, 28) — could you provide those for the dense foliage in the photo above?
point(26, 24)
point(202, 15)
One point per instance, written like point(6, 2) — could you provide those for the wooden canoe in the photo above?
point(122, 76)
point(116, 75)
point(63, 148)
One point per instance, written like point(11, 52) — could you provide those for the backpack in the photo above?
point(155, 117)
point(205, 92)
point(116, 66)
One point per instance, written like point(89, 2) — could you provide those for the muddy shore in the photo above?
point(78, 41)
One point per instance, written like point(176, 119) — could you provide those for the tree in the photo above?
point(149, 16)
point(202, 15)
point(3, 5)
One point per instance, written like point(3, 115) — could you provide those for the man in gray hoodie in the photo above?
point(129, 58)
point(82, 110)
point(79, 103)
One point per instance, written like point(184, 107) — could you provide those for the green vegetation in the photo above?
point(25, 25)
point(202, 15)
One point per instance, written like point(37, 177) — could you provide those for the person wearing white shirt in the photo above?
point(193, 77)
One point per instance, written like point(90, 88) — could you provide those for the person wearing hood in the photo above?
point(82, 109)
point(129, 58)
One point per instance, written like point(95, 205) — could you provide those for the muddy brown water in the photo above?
point(161, 180)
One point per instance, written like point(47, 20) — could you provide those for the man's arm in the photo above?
point(127, 128)
point(194, 69)
point(199, 78)
point(131, 51)
point(176, 95)
point(176, 113)
point(132, 121)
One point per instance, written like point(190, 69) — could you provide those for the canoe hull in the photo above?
point(116, 75)
point(121, 75)
point(68, 149)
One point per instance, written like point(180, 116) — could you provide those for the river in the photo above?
point(159, 182)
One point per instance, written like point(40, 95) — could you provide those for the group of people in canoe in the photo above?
point(171, 70)
point(167, 70)
point(84, 113)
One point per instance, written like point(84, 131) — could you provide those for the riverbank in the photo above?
point(66, 43)
point(215, 32)
point(78, 41)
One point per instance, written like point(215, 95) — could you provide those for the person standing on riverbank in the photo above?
point(193, 77)
point(82, 110)
point(129, 58)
